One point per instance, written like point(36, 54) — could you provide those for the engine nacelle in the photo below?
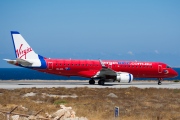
point(124, 77)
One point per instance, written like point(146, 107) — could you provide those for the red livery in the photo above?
point(103, 70)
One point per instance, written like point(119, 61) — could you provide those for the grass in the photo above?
point(60, 102)
point(93, 103)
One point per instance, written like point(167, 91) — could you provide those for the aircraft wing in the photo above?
point(105, 71)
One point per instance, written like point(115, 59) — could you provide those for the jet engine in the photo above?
point(124, 77)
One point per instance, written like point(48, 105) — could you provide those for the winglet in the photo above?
point(102, 64)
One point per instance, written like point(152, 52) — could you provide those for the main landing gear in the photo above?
point(91, 81)
point(159, 81)
point(100, 82)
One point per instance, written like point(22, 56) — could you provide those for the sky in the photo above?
point(142, 30)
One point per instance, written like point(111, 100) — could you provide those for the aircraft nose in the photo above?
point(174, 73)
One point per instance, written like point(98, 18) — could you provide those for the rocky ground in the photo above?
point(91, 103)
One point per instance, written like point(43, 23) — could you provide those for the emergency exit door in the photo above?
point(50, 65)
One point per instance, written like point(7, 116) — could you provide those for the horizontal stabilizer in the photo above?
point(23, 62)
point(11, 61)
point(20, 61)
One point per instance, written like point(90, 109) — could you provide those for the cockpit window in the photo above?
point(168, 66)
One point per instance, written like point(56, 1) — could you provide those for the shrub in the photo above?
point(58, 102)
point(176, 80)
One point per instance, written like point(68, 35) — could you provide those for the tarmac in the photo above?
point(17, 84)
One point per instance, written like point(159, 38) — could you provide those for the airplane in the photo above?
point(103, 70)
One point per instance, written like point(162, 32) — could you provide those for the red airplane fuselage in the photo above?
point(89, 68)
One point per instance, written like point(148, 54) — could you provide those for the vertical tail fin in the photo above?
point(21, 47)
point(25, 55)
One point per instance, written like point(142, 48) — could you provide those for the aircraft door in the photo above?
point(50, 65)
point(159, 68)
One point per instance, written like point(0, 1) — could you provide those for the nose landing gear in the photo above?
point(159, 81)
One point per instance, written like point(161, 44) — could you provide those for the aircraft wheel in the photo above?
point(159, 83)
point(101, 82)
point(91, 82)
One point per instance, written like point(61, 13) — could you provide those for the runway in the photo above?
point(15, 84)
